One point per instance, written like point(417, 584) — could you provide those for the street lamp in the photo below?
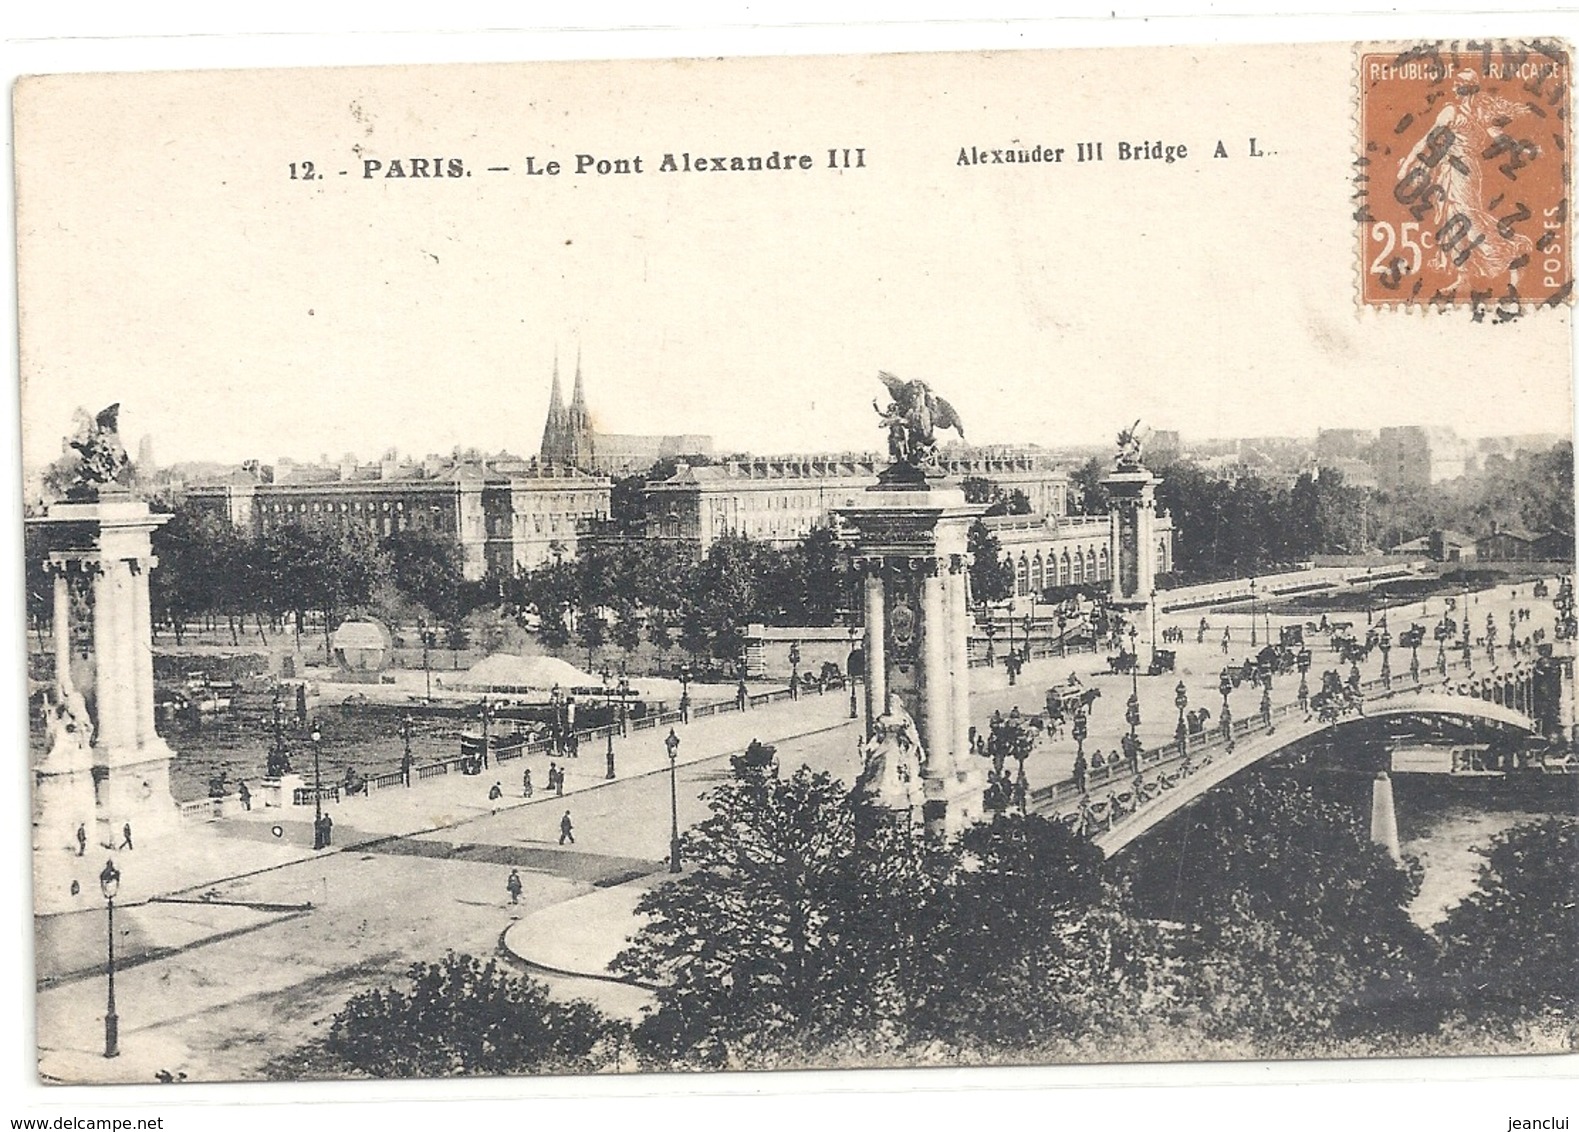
point(405, 759)
point(1181, 700)
point(849, 668)
point(672, 746)
point(1385, 643)
point(427, 637)
point(608, 703)
point(317, 737)
point(110, 884)
point(794, 659)
point(685, 692)
point(1063, 645)
point(991, 629)
point(1252, 613)
point(1026, 625)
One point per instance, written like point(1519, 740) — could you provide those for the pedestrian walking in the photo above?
point(1080, 772)
point(559, 783)
point(741, 695)
point(126, 836)
point(573, 742)
point(513, 886)
point(526, 783)
point(82, 839)
point(565, 828)
point(246, 795)
point(1227, 636)
point(495, 792)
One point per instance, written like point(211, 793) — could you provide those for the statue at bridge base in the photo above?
point(105, 770)
point(1384, 819)
point(910, 552)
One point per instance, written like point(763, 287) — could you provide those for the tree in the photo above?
point(1087, 496)
point(464, 1017)
point(1511, 948)
point(1261, 868)
point(787, 930)
point(426, 567)
point(991, 577)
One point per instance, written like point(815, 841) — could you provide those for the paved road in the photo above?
point(221, 1009)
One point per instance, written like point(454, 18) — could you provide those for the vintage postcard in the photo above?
point(1023, 557)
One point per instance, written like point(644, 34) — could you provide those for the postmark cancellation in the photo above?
point(1462, 176)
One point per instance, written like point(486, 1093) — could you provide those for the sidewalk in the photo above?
point(581, 937)
point(199, 853)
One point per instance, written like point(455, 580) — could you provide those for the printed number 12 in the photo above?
point(306, 173)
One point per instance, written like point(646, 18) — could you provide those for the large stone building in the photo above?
point(569, 438)
point(1415, 456)
point(780, 499)
point(504, 514)
point(1048, 551)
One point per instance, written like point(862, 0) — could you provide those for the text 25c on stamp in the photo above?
point(1463, 175)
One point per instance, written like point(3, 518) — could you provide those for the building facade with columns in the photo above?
point(503, 514)
point(781, 499)
point(1071, 550)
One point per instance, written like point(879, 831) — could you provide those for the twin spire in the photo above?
point(567, 433)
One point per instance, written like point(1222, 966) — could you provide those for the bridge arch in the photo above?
point(1128, 811)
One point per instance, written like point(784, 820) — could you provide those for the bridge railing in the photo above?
point(1171, 763)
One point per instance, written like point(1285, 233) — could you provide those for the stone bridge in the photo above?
point(1121, 806)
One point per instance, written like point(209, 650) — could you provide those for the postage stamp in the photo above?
point(1464, 169)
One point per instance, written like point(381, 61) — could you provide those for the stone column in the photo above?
point(107, 687)
point(959, 675)
point(143, 658)
point(1384, 820)
point(62, 631)
point(876, 658)
point(936, 696)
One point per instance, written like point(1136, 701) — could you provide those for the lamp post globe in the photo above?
point(109, 885)
point(317, 741)
point(672, 748)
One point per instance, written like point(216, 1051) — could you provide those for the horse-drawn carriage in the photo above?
point(1412, 637)
point(1122, 664)
point(757, 758)
point(1063, 700)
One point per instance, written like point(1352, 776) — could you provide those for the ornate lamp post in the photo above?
point(1026, 625)
point(486, 715)
point(427, 639)
point(1078, 731)
point(1063, 645)
point(625, 691)
point(1225, 684)
point(849, 668)
point(1385, 643)
point(672, 746)
point(1302, 661)
point(110, 884)
point(1266, 701)
point(991, 630)
point(685, 692)
point(405, 759)
point(1252, 613)
point(794, 659)
point(317, 738)
point(608, 703)
point(1181, 700)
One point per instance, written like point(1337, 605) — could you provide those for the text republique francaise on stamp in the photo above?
point(1463, 172)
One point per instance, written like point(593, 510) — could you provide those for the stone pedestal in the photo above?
point(100, 548)
point(911, 554)
point(278, 793)
point(1384, 819)
point(1132, 537)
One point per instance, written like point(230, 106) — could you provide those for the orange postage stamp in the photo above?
point(1463, 175)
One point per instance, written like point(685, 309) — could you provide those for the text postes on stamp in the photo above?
point(1463, 172)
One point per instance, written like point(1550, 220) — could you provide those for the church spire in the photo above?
point(555, 447)
point(578, 423)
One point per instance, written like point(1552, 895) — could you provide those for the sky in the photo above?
point(169, 261)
